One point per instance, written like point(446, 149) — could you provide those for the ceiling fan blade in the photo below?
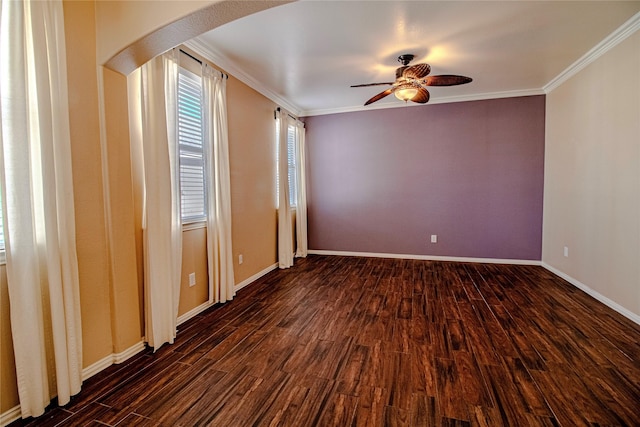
point(373, 84)
point(417, 71)
point(422, 97)
point(380, 96)
point(446, 80)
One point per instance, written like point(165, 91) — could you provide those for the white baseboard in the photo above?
point(194, 312)
point(129, 353)
point(10, 416)
point(606, 301)
point(255, 277)
point(14, 413)
point(96, 367)
point(202, 307)
point(427, 257)
point(114, 358)
point(586, 289)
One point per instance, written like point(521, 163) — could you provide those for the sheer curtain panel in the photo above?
point(35, 175)
point(219, 248)
point(301, 186)
point(152, 106)
point(285, 232)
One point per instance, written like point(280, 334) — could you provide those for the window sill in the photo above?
point(194, 225)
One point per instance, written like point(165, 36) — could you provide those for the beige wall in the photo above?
point(252, 163)
point(8, 388)
point(592, 176)
point(134, 20)
point(132, 32)
point(125, 304)
point(91, 239)
point(105, 188)
point(194, 260)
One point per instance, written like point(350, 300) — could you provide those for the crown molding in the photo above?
point(440, 100)
point(215, 56)
point(219, 59)
point(625, 30)
point(222, 61)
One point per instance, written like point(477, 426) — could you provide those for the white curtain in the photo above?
point(219, 249)
point(152, 105)
point(35, 173)
point(301, 187)
point(285, 237)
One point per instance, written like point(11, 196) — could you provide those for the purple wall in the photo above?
point(383, 181)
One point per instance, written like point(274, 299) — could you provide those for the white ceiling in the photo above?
point(305, 55)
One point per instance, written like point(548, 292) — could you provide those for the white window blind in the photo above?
point(190, 143)
point(291, 164)
point(1, 227)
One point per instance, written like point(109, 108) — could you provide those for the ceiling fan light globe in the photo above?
point(406, 94)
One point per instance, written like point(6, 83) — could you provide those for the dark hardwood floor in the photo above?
point(339, 341)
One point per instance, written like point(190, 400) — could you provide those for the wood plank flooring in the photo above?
point(339, 341)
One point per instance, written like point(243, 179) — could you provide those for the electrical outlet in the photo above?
point(192, 279)
point(240, 259)
point(566, 251)
point(434, 238)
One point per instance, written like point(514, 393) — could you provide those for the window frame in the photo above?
point(3, 253)
point(292, 164)
point(189, 155)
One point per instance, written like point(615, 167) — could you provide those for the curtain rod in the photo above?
point(200, 62)
point(288, 114)
point(191, 56)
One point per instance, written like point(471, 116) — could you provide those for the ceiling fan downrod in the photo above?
point(405, 59)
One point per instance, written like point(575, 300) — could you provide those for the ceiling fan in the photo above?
point(412, 81)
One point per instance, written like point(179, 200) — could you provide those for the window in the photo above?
point(2, 254)
point(291, 163)
point(193, 202)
